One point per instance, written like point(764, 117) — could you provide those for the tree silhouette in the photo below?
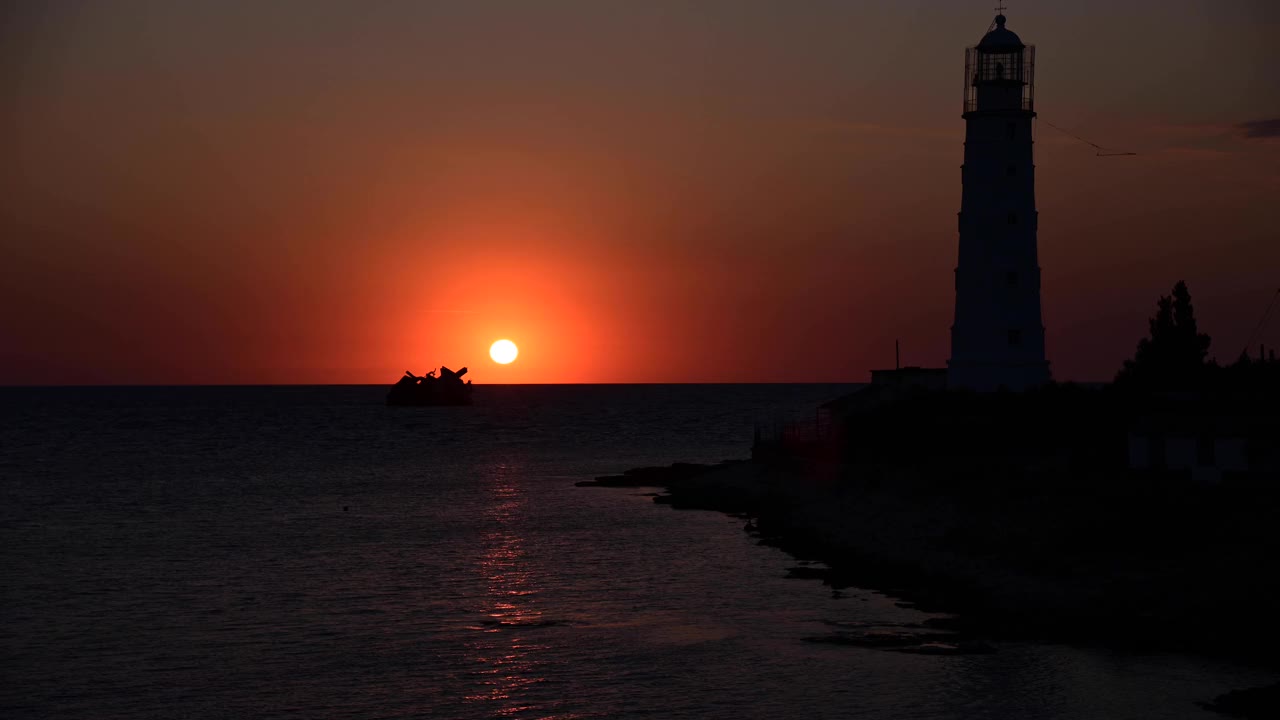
point(1173, 358)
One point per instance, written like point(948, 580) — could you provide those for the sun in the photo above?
point(503, 352)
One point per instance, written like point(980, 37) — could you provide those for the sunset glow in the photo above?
point(638, 207)
point(503, 352)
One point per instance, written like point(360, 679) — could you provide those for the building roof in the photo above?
point(1001, 38)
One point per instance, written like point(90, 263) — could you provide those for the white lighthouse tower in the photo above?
point(997, 340)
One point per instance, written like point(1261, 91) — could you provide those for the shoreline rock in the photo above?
point(1254, 703)
point(659, 476)
point(888, 534)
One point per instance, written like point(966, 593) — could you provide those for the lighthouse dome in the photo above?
point(1000, 38)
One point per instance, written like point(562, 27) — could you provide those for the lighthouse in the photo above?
point(997, 338)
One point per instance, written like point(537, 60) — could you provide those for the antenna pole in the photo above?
point(897, 356)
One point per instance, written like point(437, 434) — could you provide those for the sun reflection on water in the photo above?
point(507, 663)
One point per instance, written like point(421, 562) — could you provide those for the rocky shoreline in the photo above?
point(1046, 566)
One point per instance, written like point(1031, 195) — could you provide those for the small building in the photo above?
point(823, 432)
point(911, 378)
point(1209, 448)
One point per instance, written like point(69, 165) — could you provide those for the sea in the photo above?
point(308, 552)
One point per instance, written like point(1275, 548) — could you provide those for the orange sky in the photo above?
point(734, 190)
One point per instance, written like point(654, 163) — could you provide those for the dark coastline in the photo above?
point(1008, 579)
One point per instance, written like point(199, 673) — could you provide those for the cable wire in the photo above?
point(1102, 151)
point(1271, 306)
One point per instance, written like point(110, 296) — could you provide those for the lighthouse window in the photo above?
point(1015, 338)
point(1011, 279)
point(1013, 218)
point(1011, 130)
point(1013, 170)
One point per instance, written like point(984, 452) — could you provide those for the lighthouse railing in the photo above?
point(977, 75)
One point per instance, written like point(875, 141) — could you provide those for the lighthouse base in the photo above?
point(994, 377)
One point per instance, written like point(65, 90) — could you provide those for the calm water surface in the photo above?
point(307, 552)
